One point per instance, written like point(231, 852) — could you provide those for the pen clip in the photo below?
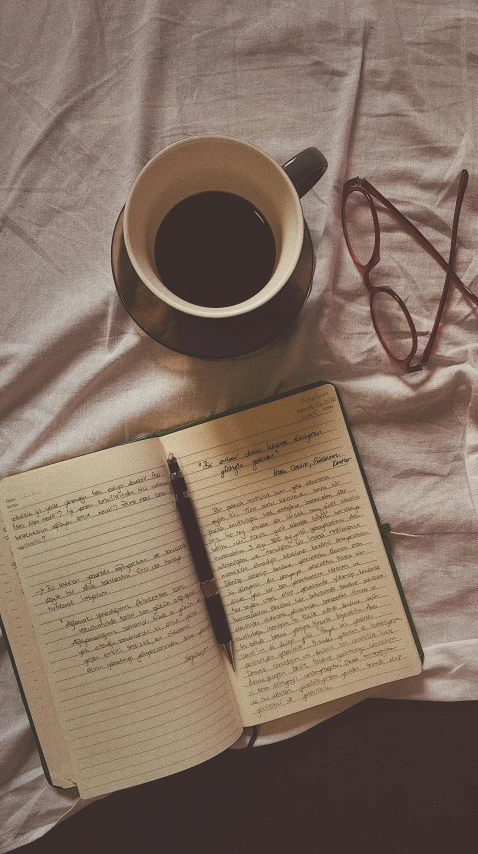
point(179, 485)
point(177, 480)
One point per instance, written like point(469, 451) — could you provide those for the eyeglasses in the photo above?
point(389, 331)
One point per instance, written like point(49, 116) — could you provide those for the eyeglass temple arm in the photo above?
point(451, 262)
point(421, 237)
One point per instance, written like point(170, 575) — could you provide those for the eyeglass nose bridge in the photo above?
point(356, 186)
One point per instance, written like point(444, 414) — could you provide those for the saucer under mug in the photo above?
point(204, 337)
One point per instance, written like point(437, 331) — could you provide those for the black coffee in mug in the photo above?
point(214, 249)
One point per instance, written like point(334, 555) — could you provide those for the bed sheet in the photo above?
point(387, 90)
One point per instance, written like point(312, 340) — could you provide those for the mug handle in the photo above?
point(305, 169)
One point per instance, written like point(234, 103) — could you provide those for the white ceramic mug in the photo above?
point(216, 163)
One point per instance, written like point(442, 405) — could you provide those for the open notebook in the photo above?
point(121, 674)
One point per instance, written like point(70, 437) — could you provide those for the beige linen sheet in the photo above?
point(387, 91)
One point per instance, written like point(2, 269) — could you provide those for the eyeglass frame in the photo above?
point(370, 192)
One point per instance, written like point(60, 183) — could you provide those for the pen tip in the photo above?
point(227, 647)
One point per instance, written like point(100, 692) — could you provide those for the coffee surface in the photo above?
point(214, 249)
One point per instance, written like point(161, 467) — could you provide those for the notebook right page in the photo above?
point(310, 595)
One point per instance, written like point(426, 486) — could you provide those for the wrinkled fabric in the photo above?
point(90, 92)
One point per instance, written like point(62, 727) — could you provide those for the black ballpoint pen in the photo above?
point(203, 568)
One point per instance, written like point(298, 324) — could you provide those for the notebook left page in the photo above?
point(138, 682)
point(21, 639)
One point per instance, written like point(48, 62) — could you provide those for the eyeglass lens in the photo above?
point(359, 224)
point(388, 312)
point(391, 324)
